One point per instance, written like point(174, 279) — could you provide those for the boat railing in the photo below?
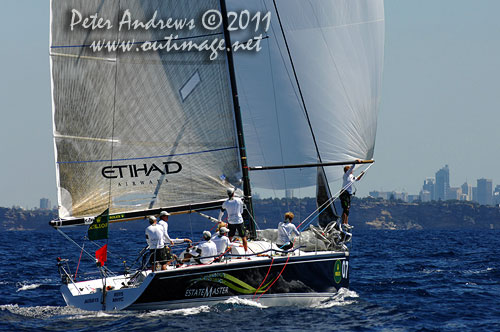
point(144, 257)
point(64, 272)
point(226, 257)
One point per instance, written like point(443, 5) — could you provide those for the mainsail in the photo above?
point(138, 130)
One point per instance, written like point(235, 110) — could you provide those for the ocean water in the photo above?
point(400, 281)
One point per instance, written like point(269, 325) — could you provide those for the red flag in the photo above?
point(102, 254)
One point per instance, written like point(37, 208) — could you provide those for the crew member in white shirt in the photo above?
point(234, 208)
point(155, 240)
point(285, 230)
point(163, 223)
point(345, 195)
point(221, 240)
point(206, 249)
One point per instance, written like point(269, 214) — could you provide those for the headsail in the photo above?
point(337, 50)
point(138, 130)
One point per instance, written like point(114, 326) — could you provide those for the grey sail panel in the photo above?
point(337, 50)
point(138, 130)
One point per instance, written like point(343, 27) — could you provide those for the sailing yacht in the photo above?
point(140, 131)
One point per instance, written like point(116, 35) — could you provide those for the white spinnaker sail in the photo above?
point(138, 130)
point(337, 49)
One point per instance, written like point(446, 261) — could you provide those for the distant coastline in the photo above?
point(366, 213)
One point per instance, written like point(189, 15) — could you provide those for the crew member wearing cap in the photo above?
point(206, 249)
point(221, 240)
point(163, 223)
point(234, 208)
point(154, 238)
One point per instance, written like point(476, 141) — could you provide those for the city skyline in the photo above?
point(438, 188)
point(440, 103)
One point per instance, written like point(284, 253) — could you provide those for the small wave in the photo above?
point(41, 312)
point(33, 284)
point(24, 287)
point(93, 314)
point(343, 297)
point(430, 271)
point(182, 312)
point(246, 302)
point(469, 272)
point(228, 304)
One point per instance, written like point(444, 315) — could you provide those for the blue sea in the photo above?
point(400, 281)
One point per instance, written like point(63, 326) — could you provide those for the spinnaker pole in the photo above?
point(248, 215)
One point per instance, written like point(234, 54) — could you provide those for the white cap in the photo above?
point(230, 191)
point(207, 235)
point(223, 230)
point(151, 219)
point(164, 213)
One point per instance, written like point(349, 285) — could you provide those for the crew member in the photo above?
point(154, 238)
point(163, 223)
point(206, 249)
point(221, 240)
point(285, 230)
point(234, 208)
point(345, 195)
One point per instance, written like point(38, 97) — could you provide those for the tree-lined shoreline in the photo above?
point(366, 213)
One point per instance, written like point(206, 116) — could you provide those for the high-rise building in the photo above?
point(474, 194)
point(429, 186)
point(442, 184)
point(455, 193)
point(425, 196)
point(485, 191)
point(44, 203)
point(496, 195)
point(467, 191)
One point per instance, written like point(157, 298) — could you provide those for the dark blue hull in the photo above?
point(275, 281)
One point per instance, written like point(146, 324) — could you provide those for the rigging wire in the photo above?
point(294, 89)
point(79, 260)
point(83, 250)
point(277, 121)
point(302, 98)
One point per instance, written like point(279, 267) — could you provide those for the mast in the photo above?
point(248, 215)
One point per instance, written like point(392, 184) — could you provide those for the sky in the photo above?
point(440, 101)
